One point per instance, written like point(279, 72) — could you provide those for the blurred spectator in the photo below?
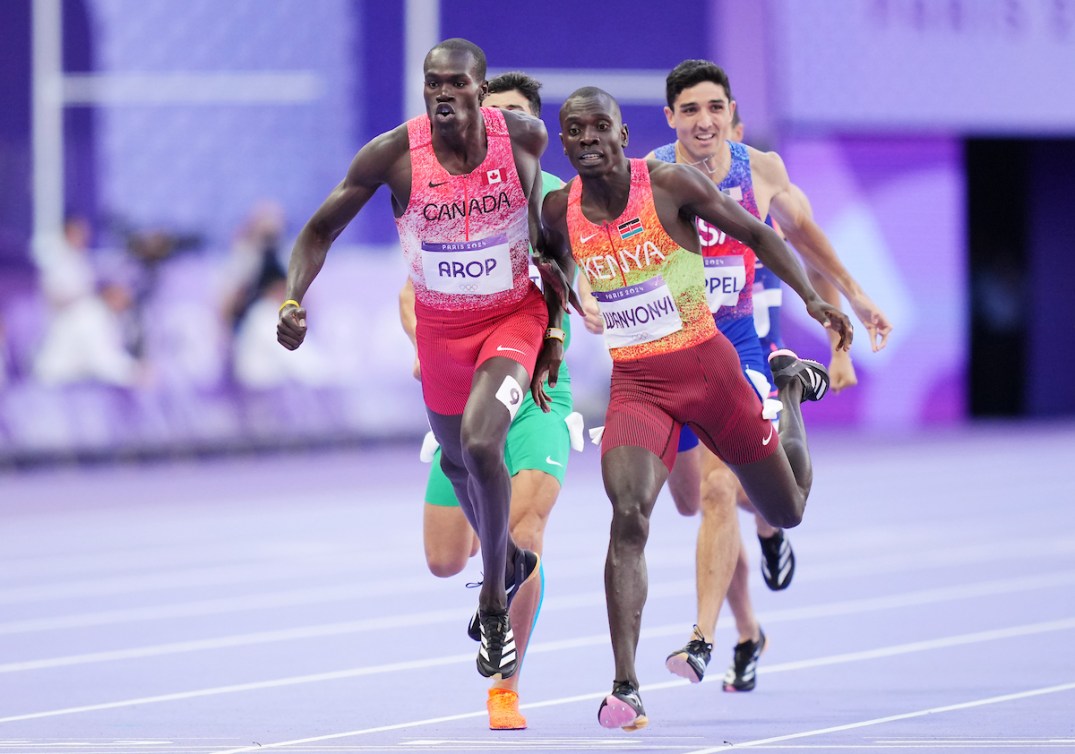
point(259, 360)
point(254, 289)
point(84, 339)
point(146, 252)
point(254, 263)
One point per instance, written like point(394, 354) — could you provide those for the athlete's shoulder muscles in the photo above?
point(554, 208)
point(683, 185)
point(379, 160)
point(768, 167)
point(554, 212)
point(556, 242)
point(681, 193)
point(527, 131)
point(659, 170)
point(799, 196)
point(384, 160)
point(369, 169)
point(791, 210)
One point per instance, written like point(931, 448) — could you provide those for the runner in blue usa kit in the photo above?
point(702, 111)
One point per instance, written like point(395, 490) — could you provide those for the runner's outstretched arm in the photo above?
point(793, 212)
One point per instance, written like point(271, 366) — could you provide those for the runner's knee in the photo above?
point(788, 517)
point(630, 527)
point(443, 565)
point(483, 455)
point(719, 489)
point(687, 500)
point(529, 531)
point(528, 535)
point(455, 473)
point(446, 558)
point(533, 495)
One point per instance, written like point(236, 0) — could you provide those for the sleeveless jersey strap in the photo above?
point(494, 122)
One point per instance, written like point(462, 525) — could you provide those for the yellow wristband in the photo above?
point(555, 333)
point(289, 302)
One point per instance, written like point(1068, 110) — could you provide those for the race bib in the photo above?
point(638, 313)
point(725, 277)
point(468, 267)
point(535, 276)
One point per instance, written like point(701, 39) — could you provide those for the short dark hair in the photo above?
point(458, 44)
point(518, 81)
point(590, 93)
point(691, 73)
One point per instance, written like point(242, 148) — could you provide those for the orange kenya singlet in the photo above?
point(650, 289)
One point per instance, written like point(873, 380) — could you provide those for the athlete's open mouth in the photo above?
point(444, 110)
point(589, 158)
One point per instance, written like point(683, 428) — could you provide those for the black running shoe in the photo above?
point(777, 562)
point(691, 661)
point(526, 566)
point(496, 654)
point(741, 675)
point(622, 708)
point(526, 563)
point(814, 377)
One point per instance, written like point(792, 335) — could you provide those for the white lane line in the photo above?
point(148, 582)
point(973, 740)
point(430, 618)
point(253, 686)
point(591, 697)
point(976, 637)
point(112, 558)
point(217, 606)
point(290, 598)
point(75, 744)
point(238, 640)
point(819, 572)
point(976, 744)
point(893, 650)
point(317, 595)
point(1057, 689)
point(889, 651)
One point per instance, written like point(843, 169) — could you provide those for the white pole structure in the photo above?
point(421, 30)
point(48, 155)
